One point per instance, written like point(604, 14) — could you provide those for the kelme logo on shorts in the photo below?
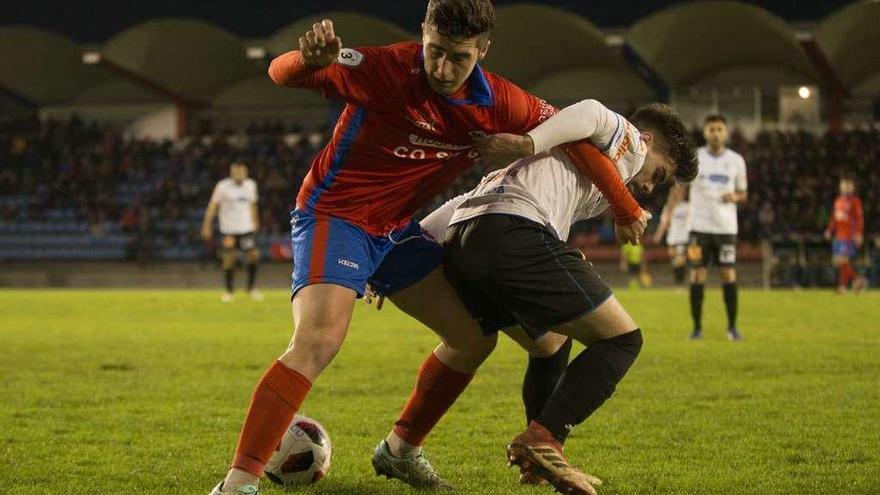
point(350, 264)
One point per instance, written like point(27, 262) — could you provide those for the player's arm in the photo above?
point(255, 210)
point(858, 221)
point(675, 196)
point(829, 229)
point(321, 64)
point(208, 220)
point(580, 123)
point(740, 193)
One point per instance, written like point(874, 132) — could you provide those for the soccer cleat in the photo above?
point(256, 295)
point(242, 490)
point(227, 297)
point(530, 478)
point(697, 334)
point(540, 458)
point(859, 284)
point(415, 471)
point(733, 334)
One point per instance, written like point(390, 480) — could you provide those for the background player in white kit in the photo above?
point(235, 198)
point(674, 227)
point(714, 195)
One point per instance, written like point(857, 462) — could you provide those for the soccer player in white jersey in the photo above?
point(674, 229)
point(720, 186)
point(506, 257)
point(235, 199)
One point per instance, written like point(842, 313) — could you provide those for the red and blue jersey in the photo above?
point(847, 220)
point(397, 143)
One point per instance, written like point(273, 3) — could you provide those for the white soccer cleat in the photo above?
point(242, 490)
point(227, 297)
point(256, 295)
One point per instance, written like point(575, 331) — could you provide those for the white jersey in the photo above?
point(548, 188)
point(235, 203)
point(718, 175)
point(679, 231)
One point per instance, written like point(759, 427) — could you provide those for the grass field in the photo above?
point(129, 392)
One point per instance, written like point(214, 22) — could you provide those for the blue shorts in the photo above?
point(844, 248)
point(410, 261)
point(333, 251)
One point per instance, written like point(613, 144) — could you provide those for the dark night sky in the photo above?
point(95, 21)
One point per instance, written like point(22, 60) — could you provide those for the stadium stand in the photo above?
point(129, 178)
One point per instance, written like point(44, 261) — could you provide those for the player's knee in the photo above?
point(728, 275)
point(631, 342)
point(698, 276)
point(473, 344)
point(254, 255)
point(547, 345)
point(228, 259)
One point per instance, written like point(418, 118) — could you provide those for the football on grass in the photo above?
point(303, 457)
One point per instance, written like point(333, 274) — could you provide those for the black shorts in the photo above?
point(244, 242)
point(508, 270)
point(712, 249)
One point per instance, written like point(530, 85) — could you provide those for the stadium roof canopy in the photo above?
point(566, 59)
point(850, 40)
point(259, 92)
point(47, 69)
point(721, 41)
point(193, 59)
point(354, 29)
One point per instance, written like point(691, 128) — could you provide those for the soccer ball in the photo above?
point(303, 457)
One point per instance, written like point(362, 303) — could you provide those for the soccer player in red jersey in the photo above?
point(846, 226)
point(407, 131)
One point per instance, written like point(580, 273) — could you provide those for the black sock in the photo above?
point(229, 273)
point(697, 305)
point(679, 275)
point(542, 376)
point(252, 275)
point(589, 381)
point(730, 301)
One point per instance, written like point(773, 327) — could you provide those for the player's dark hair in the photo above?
point(674, 138)
point(461, 18)
point(714, 118)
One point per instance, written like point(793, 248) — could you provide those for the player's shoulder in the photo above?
point(500, 85)
point(395, 55)
point(224, 182)
point(736, 156)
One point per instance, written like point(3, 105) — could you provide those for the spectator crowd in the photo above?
point(151, 194)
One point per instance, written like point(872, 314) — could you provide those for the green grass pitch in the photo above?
point(130, 392)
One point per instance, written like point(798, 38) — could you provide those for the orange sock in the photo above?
point(277, 397)
point(846, 275)
point(437, 388)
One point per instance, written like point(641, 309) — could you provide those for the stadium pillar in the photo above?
point(645, 71)
point(183, 105)
point(836, 91)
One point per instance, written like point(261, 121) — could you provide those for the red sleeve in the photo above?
point(858, 217)
point(601, 170)
point(831, 219)
point(518, 110)
point(362, 78)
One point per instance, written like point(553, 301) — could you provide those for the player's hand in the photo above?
point(729, 198)
point(827, 235)
point(633, 232)
point(860, 239)
point(499, 150)
point(207, 233)
point(370, 295)
point(320, 46)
